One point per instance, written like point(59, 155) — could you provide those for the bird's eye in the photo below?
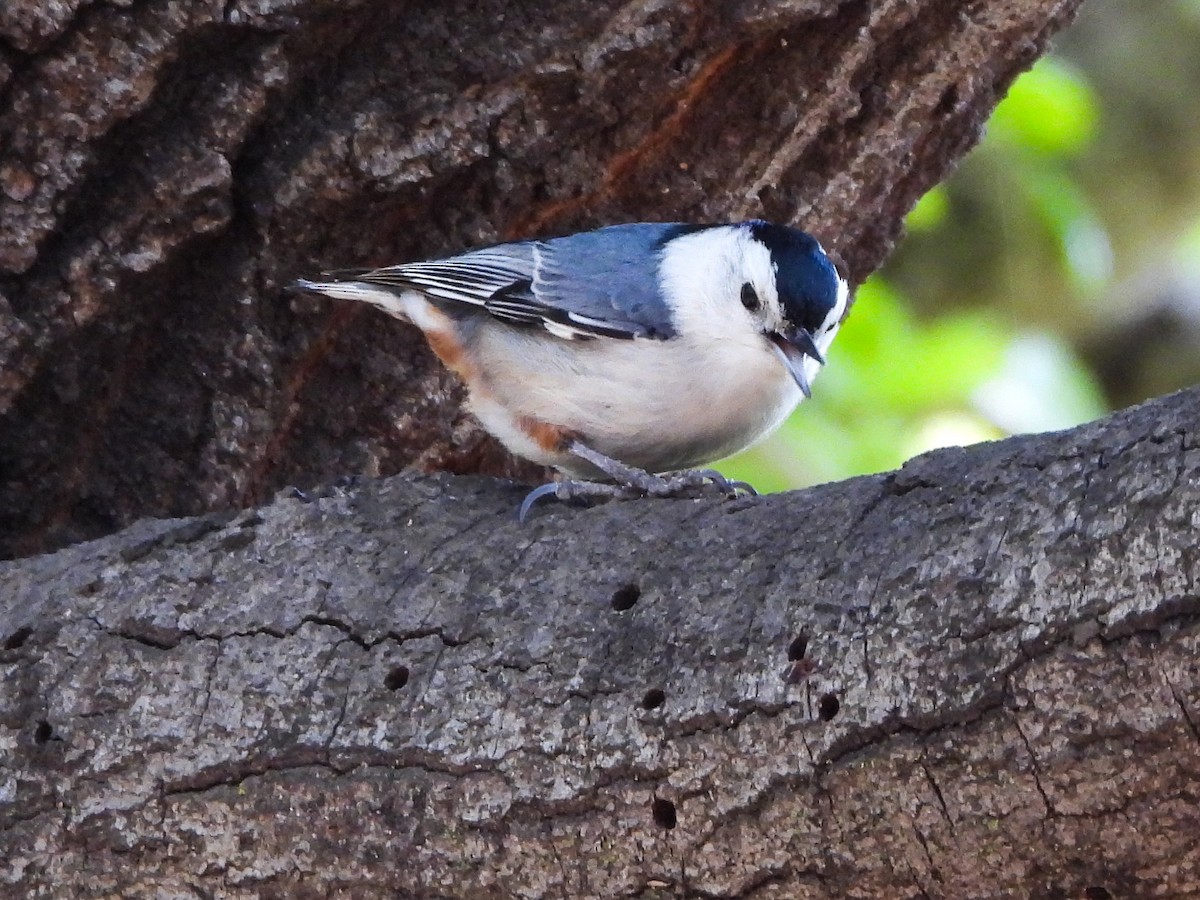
point(749, 297)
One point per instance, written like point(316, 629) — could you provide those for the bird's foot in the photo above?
point(629, 482)
point(647, 483)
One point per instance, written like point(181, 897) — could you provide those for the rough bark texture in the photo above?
point(166, 167)
point(976, 676)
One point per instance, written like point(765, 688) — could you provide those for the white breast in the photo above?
point(659, 405)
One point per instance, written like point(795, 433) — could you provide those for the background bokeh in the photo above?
point(1054, 277)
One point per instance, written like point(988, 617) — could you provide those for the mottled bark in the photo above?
point(975, 676)
point(166, 168)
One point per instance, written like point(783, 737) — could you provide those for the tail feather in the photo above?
point(345, 274)
point(393, 302)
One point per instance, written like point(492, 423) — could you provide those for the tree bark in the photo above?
point(975, 676)
point(167, 168)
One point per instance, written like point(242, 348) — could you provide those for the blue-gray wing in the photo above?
point(600, 283)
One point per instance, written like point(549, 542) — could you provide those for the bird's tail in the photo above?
point(341, 285)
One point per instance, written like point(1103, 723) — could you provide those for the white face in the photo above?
point(703, 274)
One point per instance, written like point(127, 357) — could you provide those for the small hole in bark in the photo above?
point(625, 596)
point(396, 678)
point(663, 812)
point(828, 706)
point(654, 698)
point(947, 102)
point(43, 732)
point(798, 648)
point(1096, 892)
point(18, 637)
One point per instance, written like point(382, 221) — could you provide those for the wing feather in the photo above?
point(600, 283)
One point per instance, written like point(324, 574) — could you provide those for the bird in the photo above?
point(626, 356)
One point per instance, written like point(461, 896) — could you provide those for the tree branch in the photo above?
point(973, 676)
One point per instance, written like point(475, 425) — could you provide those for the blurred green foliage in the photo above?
point(973, 330)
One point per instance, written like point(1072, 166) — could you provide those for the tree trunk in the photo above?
point(974, 676)
point(167, 168)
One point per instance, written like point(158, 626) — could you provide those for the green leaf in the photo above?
point(1049, 109)
point(931, 210)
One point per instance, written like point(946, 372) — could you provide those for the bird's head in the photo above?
point(795, 294)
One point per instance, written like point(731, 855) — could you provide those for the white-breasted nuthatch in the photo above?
point(627, 351)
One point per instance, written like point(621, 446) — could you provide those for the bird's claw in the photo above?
point(534, 496)
point(701, 477)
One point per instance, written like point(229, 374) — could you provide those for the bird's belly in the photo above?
point(658, 405)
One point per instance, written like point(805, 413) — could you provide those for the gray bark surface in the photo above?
point(975, 676)
point(167, 168)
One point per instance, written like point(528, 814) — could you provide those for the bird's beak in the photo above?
point(792, 348)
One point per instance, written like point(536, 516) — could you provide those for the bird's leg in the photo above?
point(629, 481)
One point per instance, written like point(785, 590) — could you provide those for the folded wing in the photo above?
point(600, 283)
